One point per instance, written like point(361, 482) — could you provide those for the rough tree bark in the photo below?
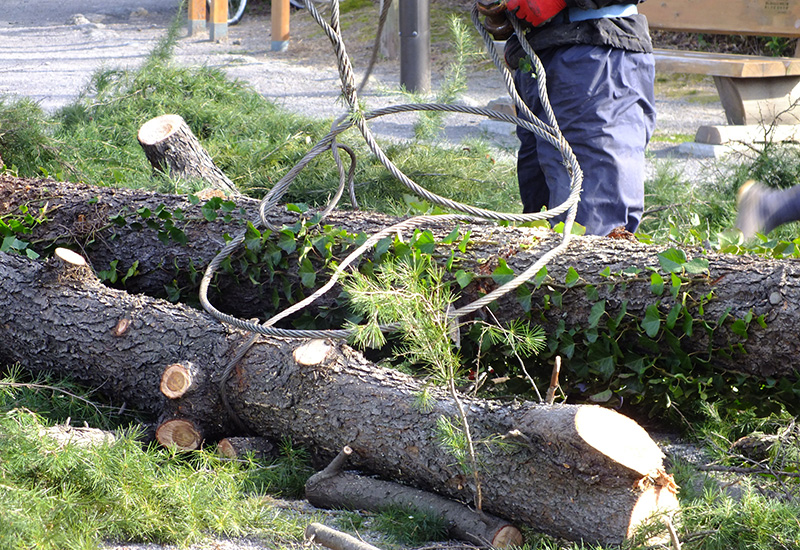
point(579, 472)
point(171, 147)
point(79, 216)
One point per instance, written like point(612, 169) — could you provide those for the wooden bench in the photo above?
point(752, 89)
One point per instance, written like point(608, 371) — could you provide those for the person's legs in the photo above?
point(762, 209)
point(604, 102)
point(533, 190)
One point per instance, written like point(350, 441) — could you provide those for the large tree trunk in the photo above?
point(80, 216)
point(579, 472)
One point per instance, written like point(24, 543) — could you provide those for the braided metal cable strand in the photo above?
point(356, 117)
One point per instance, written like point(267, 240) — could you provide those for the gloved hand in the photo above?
point(535, 12)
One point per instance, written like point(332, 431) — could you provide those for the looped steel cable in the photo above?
point(356, 117)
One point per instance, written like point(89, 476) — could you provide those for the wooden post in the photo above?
point(219, 20)
point(280, 25)
point(197, 16)
point(390, 39)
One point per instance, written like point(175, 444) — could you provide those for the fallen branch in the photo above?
point(335, 489)
point(333, 539)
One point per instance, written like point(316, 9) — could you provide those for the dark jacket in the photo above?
point(628, 33)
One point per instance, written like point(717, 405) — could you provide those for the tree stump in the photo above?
point(171, 147)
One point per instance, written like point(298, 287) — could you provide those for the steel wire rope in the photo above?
point(549, 132)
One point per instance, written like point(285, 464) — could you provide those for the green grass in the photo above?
point(57, 495)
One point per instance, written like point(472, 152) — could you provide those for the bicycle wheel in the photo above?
point(235, 10)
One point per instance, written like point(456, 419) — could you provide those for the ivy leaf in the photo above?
point(602, 397)
point(676, 285)
point(132, 271)
point(656, 284)
point(596, 313)
point(425, 242)
point(591, 293)
point(462, 246)
point(503, 273)
point(286, 241)
point(451, 238)
point(696, 266)
point(572, 277)
point(308, 275)
point(652, 321)
point(739, 327)
point(672, 260)
point(209, 211)
point(540, 276)
point(672, 316)
point(606, 272)
point(383, 246)
point(463, 278)
point(524, 297)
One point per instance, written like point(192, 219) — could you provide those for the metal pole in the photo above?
point(415, 45)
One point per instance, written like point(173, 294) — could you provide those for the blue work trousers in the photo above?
point(604, 103)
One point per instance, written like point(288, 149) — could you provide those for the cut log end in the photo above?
point(238, 447)
point(508, 536)
point(176, 381)
point(179, 433)
point(70, 257)
point(619, 438)
point(159, 128)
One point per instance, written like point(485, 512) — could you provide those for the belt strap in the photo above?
point(617, 10)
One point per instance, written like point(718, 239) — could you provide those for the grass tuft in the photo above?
point(62, 495)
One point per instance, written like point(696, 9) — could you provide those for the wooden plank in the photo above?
point(755, 17)
point(731, 65)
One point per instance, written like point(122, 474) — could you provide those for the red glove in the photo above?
point(535, 12)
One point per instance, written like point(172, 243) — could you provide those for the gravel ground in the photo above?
point(50, 48)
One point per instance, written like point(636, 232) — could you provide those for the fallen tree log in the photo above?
point(579, 472)
point(733, 288)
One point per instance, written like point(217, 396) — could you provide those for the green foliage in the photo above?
point(120, 490)
point(753, 522)
point(410, 525)
point(285, 476)
point(410, 293)
point(26, 144)
point(429, 123)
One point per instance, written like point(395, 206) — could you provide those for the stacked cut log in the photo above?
point(579, 472)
